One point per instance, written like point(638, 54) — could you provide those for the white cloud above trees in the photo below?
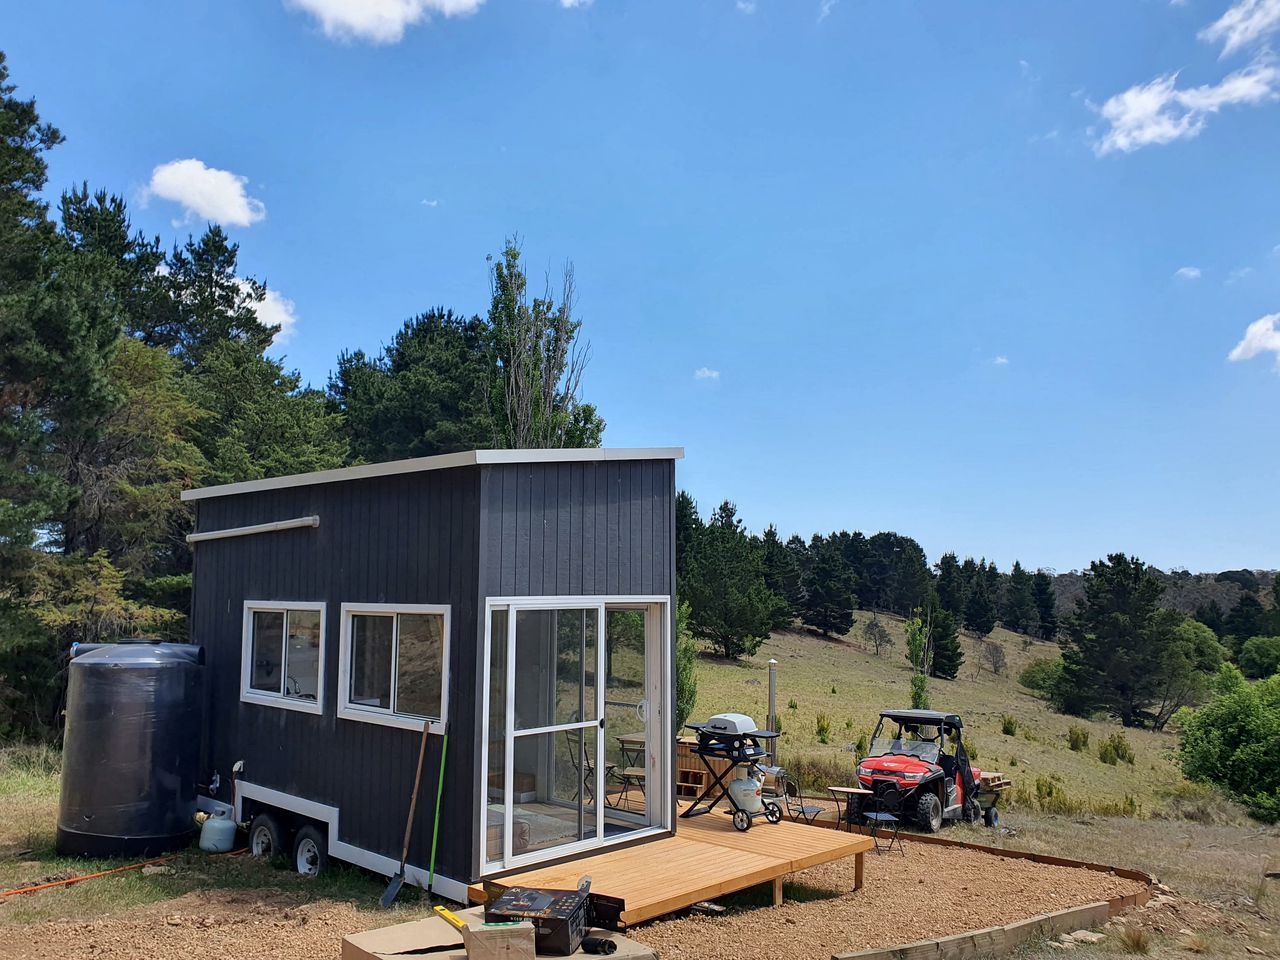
point(206, 193)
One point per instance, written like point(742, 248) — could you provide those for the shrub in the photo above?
point(919, 692)
point(833, 689)
point(1043, 677)
point(971, 748)
point(1260, 656)
point(822, 727)
point(848, 723)
point(863, 745)
point(686, 667)
point(1229, 742)
point(792, 705)
point(1115, 749)
point(816, 772)
point(1077, 738)
point(1009, 725)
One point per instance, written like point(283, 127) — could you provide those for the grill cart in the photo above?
point(735, 738)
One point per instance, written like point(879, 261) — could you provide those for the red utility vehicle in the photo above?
point(921, 752)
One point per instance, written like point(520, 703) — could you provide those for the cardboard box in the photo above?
point(435, 938)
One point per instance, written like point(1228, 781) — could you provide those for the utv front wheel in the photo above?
point(929, 812)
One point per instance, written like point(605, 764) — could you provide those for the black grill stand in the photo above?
point(741, 750)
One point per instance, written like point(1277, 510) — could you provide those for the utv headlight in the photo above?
point(912, 776)
point(864, 771)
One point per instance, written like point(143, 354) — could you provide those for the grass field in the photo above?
point(850, 684)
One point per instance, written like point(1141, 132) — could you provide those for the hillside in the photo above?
point(851, 685)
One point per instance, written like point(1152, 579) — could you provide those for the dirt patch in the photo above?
point(932, 891)
point(205, 925)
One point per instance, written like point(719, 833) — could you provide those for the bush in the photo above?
point(919, 692)
point(686, 667)
point(1115, 749)
point(863, 745)
point(1231, 742)
point(1077, 738)
point(1009, 725)
point(792, 705)
point(1260, 657)
point(1043, 677)
point(822, 727)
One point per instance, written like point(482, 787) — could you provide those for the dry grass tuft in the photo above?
point(1132, 939)
point(1195, 943)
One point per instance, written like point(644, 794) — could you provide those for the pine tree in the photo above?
point(828, 591)
point(1247, 619)
point(1019, 600)
point(688, 526)
point(951, 586)
point(979, 608)
point(782, 577)
point(1212, 616)
point(1110, 655)
point(1046, 605)
point(944, 638)
point(729, 605)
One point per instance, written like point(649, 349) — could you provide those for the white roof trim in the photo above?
point(441, 462)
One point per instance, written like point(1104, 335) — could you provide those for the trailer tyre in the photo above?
point(991, 817)
point(266, 838)
point(929, 812)
point(310, 857)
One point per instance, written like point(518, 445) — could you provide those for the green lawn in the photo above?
point(851, 685)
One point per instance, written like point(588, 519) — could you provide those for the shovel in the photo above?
point(393, 888)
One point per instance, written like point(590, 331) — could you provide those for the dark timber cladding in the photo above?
point(578, 528)
point(402, 538)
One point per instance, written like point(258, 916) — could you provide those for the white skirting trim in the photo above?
point(455, 890)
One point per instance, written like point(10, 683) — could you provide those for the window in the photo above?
point(282, 655)
point(394, 664)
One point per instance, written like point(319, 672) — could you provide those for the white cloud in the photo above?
point(1187, 273)
point(431, 203)
point(378, 21)
point(1243, 25)
point(824, 9)
point(206, 192)
point(706, 373)
point(1158, 112)
point(570, 4)
point(745, 6)
point(1239, 273)
point(275, 310)
point(1261, 336)
point(1000, 361)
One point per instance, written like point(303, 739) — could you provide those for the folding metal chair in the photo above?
point(883, 812)
point(794, 801)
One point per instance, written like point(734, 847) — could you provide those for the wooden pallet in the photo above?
point(707, 858)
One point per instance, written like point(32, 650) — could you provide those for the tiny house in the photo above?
point(522, 600)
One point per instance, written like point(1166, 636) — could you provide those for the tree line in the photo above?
point(131, 370)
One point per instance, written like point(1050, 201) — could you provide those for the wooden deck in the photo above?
point(707, 858)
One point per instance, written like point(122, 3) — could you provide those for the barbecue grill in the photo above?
point(734, 737)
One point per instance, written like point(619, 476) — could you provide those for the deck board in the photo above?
point(707, 858)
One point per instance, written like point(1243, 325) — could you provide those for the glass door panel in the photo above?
point(626, 714)
point(554, 776)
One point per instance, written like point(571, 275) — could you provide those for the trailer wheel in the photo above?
point(929, 812)
point(266, 838)
point(310, 858)
point(991, 817)
point(742, 820)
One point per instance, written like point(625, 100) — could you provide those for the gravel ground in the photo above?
point(933, 891)
point(954, 888)
point(213, 925)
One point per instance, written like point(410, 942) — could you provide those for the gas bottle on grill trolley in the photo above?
point(747, 791)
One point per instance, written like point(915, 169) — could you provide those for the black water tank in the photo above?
point(131, 751)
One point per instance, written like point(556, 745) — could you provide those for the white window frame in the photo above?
point(356, 711)
point(279, 700)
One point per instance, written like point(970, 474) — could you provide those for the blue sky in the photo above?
point(971, 272)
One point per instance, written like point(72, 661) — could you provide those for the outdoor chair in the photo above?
point(794, 800)
point(883, 814)
point(583, 766)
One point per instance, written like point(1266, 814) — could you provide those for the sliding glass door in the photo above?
point(572, 754)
